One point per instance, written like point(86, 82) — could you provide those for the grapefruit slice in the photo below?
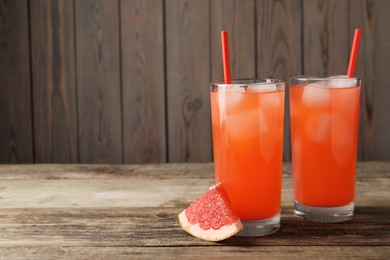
point(211, 217)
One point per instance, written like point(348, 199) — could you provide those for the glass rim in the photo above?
point(248, 82)
point(313, 78)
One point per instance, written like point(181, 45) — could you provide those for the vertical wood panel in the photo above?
point(81, 54)
point(188, 77)
point(373, 65)
point(238, 18)
point(16, 144)
point(279, 48)
point(326, 37)
point(98, 81)
point(54, 81)
point(143, 81)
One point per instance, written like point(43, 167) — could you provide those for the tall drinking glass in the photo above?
point(324, 114)
point(247, 124)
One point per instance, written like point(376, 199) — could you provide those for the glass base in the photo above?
point(258, 228)
point(324, 214)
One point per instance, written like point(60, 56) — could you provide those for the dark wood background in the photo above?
point(127, 81)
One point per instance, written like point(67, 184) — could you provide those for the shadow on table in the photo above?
point(370, 226)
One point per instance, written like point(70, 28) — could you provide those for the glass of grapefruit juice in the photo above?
point(247, 124)
point(324, 114)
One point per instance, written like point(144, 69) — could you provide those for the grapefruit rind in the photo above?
point(211, 234)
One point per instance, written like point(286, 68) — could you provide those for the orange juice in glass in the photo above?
point(247, 124)
point(324, 114)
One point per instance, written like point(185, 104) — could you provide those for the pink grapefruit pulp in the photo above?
point(211, 217)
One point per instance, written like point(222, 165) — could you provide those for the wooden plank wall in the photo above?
point(16, 129)
point(126, 81)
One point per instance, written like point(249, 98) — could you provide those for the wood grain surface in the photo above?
point(123, 81)
point(98, 81)
point(198, 252)
point(188, 79)
point(372, 66)
point(159, 227)
point(142, 186)
point(241, 29)
point(73, 211)
point(16, 134)
point(54, 81)
point(326, 37)
point(142, 48)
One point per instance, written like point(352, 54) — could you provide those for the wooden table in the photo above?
point(130, 211)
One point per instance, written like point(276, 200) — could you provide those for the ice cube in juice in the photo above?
point(248, 138)
point(324, 125)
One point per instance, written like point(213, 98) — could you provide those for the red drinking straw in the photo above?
point(354, 53)
point(225, 57)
